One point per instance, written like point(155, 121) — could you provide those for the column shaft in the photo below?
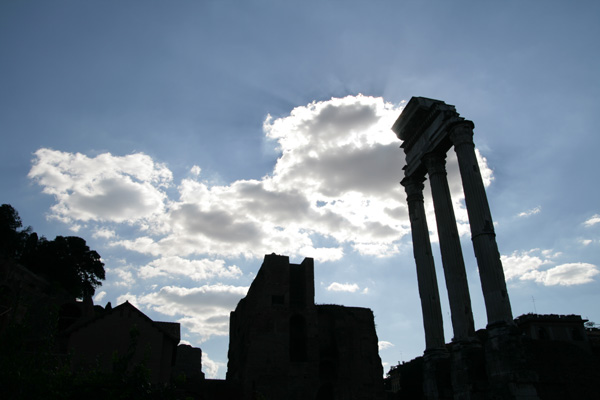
point(452, 257)
point(427, 281)
point(493, 283)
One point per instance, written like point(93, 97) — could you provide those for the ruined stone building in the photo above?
point(124, 331)
point(283, 346)
point(534, 357)
point(558, 351)
point(429, 129)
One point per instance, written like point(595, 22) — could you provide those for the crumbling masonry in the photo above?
point(283, 346)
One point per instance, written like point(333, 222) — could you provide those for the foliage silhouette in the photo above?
point(11, 239)
point(65, 260)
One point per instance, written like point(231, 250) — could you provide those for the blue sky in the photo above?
point(183, 140)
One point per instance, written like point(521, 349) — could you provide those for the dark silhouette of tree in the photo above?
point(69, 261)
point(65, 260)
point(11, 239)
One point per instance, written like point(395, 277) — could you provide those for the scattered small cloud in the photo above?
point(548, 253)
point(103, 233)
point(586, 242)
point(382, 344)
point(533, 211)
point(195, 170)
point(99, 296)
point(343, 287)
point(593, 220)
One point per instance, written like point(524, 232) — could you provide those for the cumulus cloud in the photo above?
point(529, 265)
point(121, 276)
point(592, 220)
point(518, 264)
point(103, 188)
point(336, 179)
point(203, 310)
point(564, 274)
point(197, 270)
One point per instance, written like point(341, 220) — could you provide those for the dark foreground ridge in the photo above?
point(282, 346)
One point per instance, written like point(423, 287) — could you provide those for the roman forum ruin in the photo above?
point(429, 129)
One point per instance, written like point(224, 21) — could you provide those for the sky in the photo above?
point(185, 140)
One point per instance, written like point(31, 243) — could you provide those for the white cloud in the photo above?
point(586, 242)
point(197, 270)
point(195, 170)
point(343, 287)
point(519, 263)
point(103, 188)
point(103, 233)
point(99, 296)
point(533, 211)
point(124, 276)
point(203, 310)
point(382, 344)
point(487, 174)
point(565, 274)
point(130, 297)
point(210, 367)
point(527, 266)
point(336, 178)
point(593, 220)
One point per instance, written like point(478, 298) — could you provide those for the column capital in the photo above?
point(414, 186)
point(462, 132)
point(435, 162)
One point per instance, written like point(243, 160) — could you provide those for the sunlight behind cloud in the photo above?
point(333, 189)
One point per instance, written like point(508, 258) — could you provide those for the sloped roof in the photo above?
point(171, 329)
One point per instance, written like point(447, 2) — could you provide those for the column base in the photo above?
point(469, 379)
point(505, 362)
point(436, 374)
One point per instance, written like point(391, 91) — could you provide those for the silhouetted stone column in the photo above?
point(428, 287)
point(452, 258)
point(493, 283)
